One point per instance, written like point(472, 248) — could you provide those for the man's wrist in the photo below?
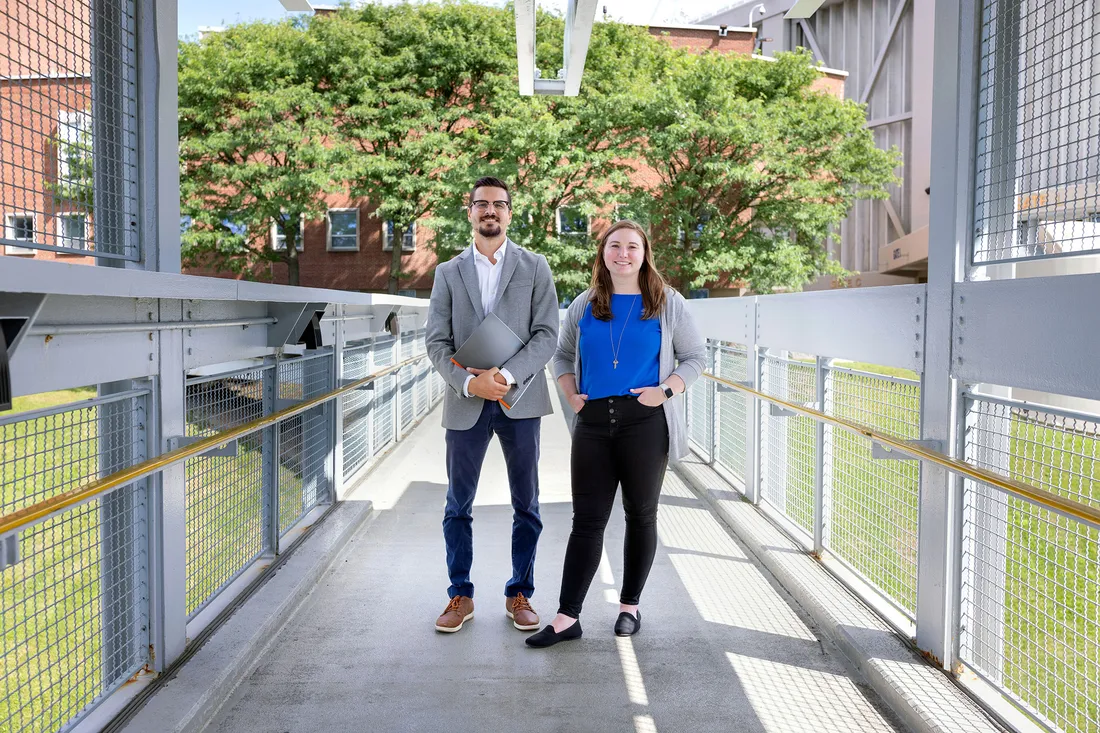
point(508, 377)
point(466, 385)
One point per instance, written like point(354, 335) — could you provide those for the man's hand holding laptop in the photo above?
point(488, 384)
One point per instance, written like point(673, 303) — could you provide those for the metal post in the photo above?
point(753, 440)
point(950, 237)
point(395, 396)
point(114, 115)
point(819, 458)
point(338, 417)
point(168, 501)
point(271, 458)
point(121, 441)
point(715, 414)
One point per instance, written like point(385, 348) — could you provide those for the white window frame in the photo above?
point(9, 233)
point(61, 238)
point(557, 221)
point(300, 246)
point(69, 127)
point(328, 231)
point(387, 245)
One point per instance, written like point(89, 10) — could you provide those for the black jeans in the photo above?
point(616, 441)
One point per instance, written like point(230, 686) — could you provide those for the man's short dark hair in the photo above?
point(492, 183)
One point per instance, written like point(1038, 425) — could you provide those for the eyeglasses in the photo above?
point(482, 206)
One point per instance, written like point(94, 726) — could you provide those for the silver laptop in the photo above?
point(490, 345)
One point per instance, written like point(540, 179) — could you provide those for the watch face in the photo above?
point(668, 392)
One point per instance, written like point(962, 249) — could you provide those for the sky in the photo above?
point(196, 13)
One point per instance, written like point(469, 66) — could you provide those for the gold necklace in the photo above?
point(611, 336)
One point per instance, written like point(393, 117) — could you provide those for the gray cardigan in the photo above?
point(683, 353)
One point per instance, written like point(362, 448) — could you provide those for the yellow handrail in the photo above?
point(40, 510)
point(1075, 509)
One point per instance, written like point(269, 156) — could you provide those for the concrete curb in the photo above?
point(191, 700)
point(924, 698)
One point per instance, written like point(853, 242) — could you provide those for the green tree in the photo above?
point(754, 167)
point(405, 110)
point(257, 144)
point(562, 151)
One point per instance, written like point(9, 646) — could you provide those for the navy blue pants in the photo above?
point(465, 455)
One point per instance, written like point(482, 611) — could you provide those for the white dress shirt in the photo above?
point(488, 280)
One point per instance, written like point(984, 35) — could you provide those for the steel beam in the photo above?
point(525, 45)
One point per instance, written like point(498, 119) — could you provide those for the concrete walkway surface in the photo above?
point(723, 648)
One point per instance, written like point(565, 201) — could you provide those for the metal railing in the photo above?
point(259, 457)
point(831, 452)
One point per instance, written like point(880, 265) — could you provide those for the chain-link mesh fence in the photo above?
point(1037, 173)
point(384, 393)
point(225, 493)
point(68, 111)
point(74, 613)
point(700, 413)
point(870, 506)
point(789, 444)
point(1030, 598)
point(357, 411)
point(304, 445)
point(734, 364)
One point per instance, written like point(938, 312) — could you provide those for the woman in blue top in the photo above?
point(626, 351)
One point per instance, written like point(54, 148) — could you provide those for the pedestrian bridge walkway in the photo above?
point(725, 647)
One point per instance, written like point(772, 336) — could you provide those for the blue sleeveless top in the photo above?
point(636, 342)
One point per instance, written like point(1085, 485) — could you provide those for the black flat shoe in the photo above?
point(627, 625)
point(549, 637)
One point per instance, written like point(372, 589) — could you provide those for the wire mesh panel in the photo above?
point(304, 478)
point(871, 506)
point(789, 449)
point(406, 379)
point(384, 393)
point(423, 377)
point(1031, 578)
point(68, 100)
point(357, 412)
point(225, 494)
point(1037, 177)
point(74, 617)
point(700, 414)
point(733, 413)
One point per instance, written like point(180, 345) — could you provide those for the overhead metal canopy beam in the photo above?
point(525, 45)
point(803, 9)
point(579, 17)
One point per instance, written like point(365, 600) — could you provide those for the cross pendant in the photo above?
point(615, 363)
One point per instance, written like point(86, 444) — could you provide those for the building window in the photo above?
point(278, 235)
point(19, 228)
point(408, 241)
point(72, 231)
point(343, 230)
point(407, 293)
point(74, 147)
point(571, 220)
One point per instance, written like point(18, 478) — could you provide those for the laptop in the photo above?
point(491, 344)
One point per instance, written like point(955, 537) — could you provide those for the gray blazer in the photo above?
point(683, 353)
point(527, 302)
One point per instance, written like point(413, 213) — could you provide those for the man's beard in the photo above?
point(490, 228)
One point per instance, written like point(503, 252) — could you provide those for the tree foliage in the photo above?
point(741, 167)
point(256, 145)
point(754, 167)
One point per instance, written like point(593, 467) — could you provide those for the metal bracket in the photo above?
point(727, 388)
point(229, 450)
point(885, 453)
point(292, 321)
point(346, 382)
point(775, 410)
point(9, 551)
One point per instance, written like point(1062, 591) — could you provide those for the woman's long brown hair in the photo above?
point(649, 280)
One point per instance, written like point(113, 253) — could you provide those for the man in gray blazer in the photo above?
point(494, 275)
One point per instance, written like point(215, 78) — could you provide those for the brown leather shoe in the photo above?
point(458, 611)
point(523, 616)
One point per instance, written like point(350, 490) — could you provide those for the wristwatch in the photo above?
point(666, 389)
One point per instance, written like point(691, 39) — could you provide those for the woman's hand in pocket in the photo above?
point(577, 402)
point(650, 396)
